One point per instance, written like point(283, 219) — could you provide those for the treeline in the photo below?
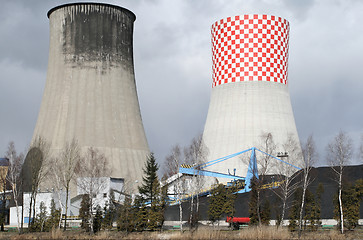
point(26, 175)
point(88, 172)
point(293, 198)
point(221, 206)
point(145, 210)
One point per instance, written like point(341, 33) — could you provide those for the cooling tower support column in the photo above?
point(250, 94)
point(90, 92)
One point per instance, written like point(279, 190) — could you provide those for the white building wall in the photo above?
point(117, 186)
point(101, 188)
point(104, 185)
point(97, 187)
point(14, 216)
point(45, 197)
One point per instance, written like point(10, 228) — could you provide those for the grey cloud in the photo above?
point(299, 8)
point(21, 29)
point(173, 65)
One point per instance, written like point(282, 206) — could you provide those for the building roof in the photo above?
point(4, 162)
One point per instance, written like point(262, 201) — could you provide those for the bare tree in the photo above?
point(35, 169)
point(340, 151)
point(64, 168)
point(286, 172)
point(172, 163)
point(92, 172)
point(308, 160)
point(264, 164)
point(196, 154)
point(13, 176)
point(57, 186)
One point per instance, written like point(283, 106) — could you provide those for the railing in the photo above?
point(71, 217)
point(272, 185)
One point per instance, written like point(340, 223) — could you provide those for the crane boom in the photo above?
point(251, 172)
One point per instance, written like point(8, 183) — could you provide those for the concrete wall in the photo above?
point(90, 92)
point(239, 113)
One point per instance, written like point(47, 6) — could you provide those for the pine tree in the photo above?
point(97, 220)
point(351, 198)
point(54, 218)
point(359, 189)
point(40, 219)
point(126, 219)
point(163, 202)
point(229, 205)
point(150, 185)
point(156, 210)
point(150, 203)
point(295, 209)
point(141, 214)
point(253, 209)
point(319, 193)
point(154, 220)
point(109, 215)
point(266, 212)
point(216, 203)
point(85, 212)
point(312, 213)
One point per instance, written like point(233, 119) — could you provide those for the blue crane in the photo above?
point(252, 168)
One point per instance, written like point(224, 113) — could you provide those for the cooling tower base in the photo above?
point(240, 114)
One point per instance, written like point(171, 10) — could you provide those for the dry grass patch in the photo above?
point(199, 234)
point(202, 233)
point(329, 235)
point(269, 232)
point(248, 233)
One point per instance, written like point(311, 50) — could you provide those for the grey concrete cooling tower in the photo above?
point(90, 92)
point(250, 95)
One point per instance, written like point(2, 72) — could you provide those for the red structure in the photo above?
point(239, 220)
point(250, 48)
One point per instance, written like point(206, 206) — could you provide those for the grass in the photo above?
point(202, 233)
point(268, 232)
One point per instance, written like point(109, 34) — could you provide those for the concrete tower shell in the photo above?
point(250, 94)
point(90, 92)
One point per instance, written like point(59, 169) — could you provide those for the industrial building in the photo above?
point(90, 93)
point(320, 175)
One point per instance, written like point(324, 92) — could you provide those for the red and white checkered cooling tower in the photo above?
point(250, 95)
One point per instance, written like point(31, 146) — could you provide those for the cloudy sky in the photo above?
point(173, 65)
